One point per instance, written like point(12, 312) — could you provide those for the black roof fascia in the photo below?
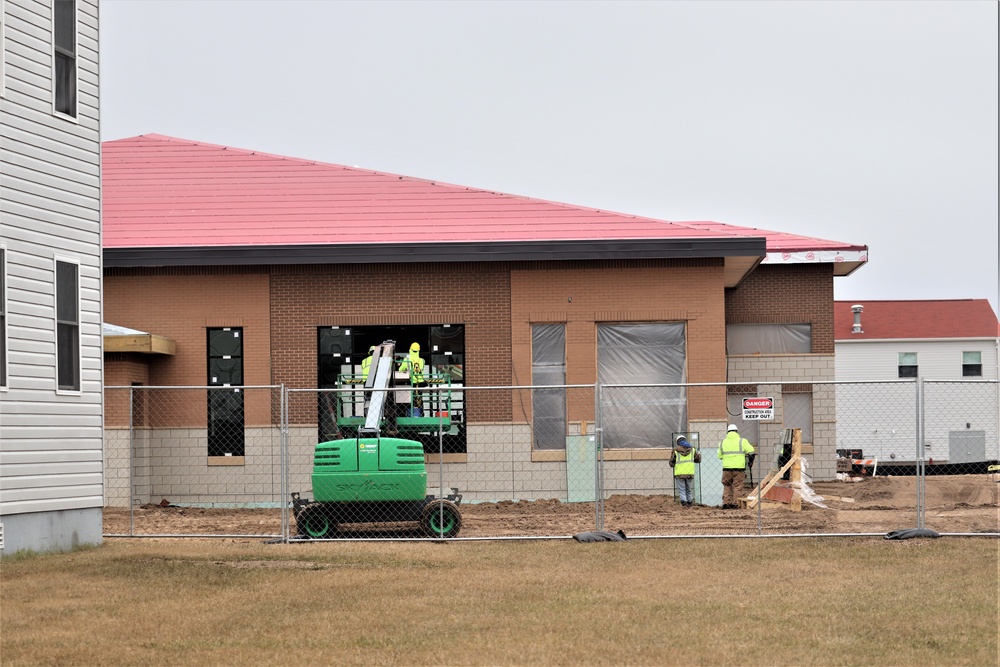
point(473, 251)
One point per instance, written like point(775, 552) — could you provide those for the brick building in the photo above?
point(306, 261)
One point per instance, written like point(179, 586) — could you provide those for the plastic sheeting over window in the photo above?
point(655, 353)
point(768, 338)
point(548, 367)
point(799, 413)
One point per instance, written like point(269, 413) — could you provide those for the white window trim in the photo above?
point(980, 363)
point(76, 64)
point(3, 50)
point(900, 364)
point(79, 321)
point(3, 307)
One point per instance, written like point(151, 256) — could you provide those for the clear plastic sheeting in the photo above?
point(643, 354)
point(805, 491)
point(548, 367)
point(768, 338)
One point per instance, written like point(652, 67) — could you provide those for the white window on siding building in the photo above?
point(64, 56)
point(907, 364)
point(972, 364)
point(67, 326)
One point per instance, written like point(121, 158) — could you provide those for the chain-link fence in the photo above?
point(523, 462)
point(193, 460)
point(501, 461)
point(960, 441)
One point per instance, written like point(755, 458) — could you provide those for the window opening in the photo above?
point(64, 45)
point(768, 338)
point(68, 326)
point(226, 435)
point(548, 367)
point(629, 354)
point(3, 310)
point(907, 364)
point(798, 411)
point(972, 364)
point(341, 351)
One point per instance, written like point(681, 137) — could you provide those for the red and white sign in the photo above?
point(758, 408)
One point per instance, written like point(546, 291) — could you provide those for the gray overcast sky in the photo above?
point(867, 122)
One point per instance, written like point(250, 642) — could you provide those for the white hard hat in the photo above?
point(732, 427)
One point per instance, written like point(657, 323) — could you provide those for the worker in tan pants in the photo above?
point(733, 452)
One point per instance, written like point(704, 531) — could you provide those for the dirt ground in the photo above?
point(954, 504)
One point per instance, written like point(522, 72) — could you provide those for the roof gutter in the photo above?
point(465, 251)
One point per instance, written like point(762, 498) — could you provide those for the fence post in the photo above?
point(920, 480)
point(131, 463)
point(283, 482)
point(598, 460)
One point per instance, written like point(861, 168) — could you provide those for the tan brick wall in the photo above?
point(121, 370)
point(787, 295)
point(182, 304)
point(583, 294)
point(477, 296)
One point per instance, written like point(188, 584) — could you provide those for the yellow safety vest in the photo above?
point(415, 365)
point(366, 365)
point(684, 463)
point(733, 450)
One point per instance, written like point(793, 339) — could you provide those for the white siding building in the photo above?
point(951, 345)
point(51, 432)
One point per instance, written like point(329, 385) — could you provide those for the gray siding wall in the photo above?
point(881, 418)
point(860, 361)
point(50, 440)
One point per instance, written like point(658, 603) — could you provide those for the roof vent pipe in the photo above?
point(856, 309)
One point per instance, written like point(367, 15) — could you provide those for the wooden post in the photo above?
point(795, 477)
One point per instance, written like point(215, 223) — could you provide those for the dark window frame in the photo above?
point(67, 316)
point(226, 411)
point(3, 313)
point(449, 339)
point(65, 23)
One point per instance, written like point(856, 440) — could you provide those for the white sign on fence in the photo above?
point(758, 408)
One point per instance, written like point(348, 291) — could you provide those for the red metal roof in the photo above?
point(162, 191)
point(887, 320)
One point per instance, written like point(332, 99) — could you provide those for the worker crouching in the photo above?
point(683, 458)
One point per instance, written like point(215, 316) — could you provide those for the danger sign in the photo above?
point(758, 408)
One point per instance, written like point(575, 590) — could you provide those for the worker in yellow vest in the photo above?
point(366, 364)
point(414, 364)
point(733, 452)
point(683, 457)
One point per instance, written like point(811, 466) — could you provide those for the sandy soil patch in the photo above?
point(961, 503)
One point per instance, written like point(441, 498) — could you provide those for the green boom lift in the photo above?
point(371, 478)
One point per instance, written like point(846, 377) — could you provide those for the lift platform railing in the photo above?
point(415, 408)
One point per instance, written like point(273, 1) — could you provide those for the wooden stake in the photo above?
point(796, 475)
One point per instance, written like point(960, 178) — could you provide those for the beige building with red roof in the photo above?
point(951, 346)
